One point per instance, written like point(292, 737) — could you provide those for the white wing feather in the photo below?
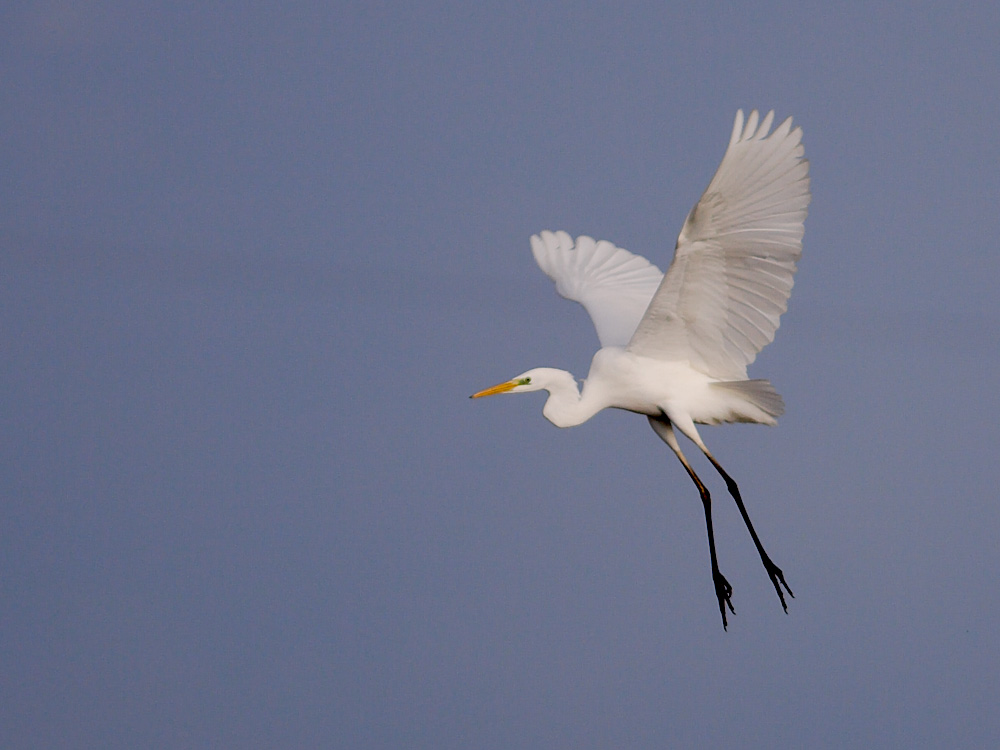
point(721, 299)
point(614, 285)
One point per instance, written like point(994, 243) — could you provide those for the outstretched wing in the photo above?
point(721, 299)
point(614, 285)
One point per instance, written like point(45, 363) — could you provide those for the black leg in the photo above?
point(773, 571)
point(663, 427)
point(723, 591)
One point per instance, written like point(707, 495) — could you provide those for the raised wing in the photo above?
point(614, 285)
point(721, 299)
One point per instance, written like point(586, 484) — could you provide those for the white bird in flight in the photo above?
point(676, 346)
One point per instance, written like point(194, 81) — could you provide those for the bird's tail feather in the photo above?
point(754, 401)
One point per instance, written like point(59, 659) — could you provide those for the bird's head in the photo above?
point(532, 380)
point(562, 408)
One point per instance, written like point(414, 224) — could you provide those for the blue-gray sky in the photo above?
point(254, 258)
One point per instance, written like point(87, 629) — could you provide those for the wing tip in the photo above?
point(755, 128)
point(737, 128)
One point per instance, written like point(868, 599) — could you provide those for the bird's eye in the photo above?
point(524, 381)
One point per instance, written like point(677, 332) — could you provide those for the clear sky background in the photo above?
point(255, 257)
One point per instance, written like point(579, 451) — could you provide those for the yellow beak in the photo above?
point(500, 388)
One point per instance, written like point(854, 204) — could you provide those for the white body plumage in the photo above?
point(619, 379)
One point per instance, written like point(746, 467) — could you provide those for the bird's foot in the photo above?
point(778, 579)
point(724, 593)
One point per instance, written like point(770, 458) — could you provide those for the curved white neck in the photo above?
point(566, 406)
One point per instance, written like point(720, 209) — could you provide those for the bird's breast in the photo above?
point(623, 380)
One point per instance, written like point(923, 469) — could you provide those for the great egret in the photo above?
point(675, 347)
